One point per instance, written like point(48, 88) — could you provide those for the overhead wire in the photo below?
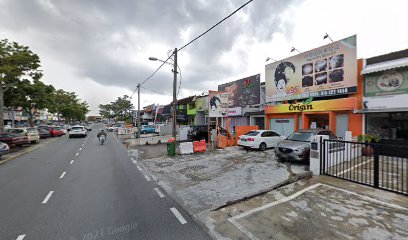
point(151, 75)
point(187, 44)
point(153, 90)
point(218, 23)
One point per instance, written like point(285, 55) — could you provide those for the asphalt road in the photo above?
point(76, 189)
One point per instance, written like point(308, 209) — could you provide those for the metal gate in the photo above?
point(379, 165)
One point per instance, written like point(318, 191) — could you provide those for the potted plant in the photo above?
point(368, 150)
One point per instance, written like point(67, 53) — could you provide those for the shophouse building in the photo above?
point(320, 88)
point(385, 103)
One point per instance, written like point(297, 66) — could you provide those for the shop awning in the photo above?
point(378, 67)
point(379, 110)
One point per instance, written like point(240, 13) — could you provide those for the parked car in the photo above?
point(54, 130)
point(297, 145)
point(88, 127)
point(30, 132)
point(260, 139)
point(4, 148)
point(44, 133)
point(147, 129)
point(77, 131)
point(13, 139)
point(67, 127)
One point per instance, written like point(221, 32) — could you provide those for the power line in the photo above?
point(147, 79)
point(214, 25)
point(153, 91)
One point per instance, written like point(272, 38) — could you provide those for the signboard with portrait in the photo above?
point(217, 104)
point(389, 82)
point(243, 92)
point(324, 71)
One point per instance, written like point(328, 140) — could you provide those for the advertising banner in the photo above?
point(324, 71)
point(314, 106)
point(390, 82)
point(243, 92)
point(218, 104)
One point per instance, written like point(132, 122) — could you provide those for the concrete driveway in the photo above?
point(203, 182)
point(318, 208)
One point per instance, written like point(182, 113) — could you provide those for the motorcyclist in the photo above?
point(101, 134)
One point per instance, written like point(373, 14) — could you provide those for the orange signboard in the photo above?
point(341, 104)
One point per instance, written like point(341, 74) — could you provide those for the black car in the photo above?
point(197, 133)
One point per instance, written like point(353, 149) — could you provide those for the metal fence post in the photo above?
point(322, 157)
point(376, 169)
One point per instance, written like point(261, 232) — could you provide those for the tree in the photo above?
point(30, 96)
point(67, 105)
point(17, 63)
point(121, 109)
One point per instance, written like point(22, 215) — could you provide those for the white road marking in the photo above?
point(72, 161)
point(178, 215)
point(47, 197)
point(139, 168)
point(21, 237)
point(285, 199)
point(147, 178)
point(153, 177)
point(80, 149)
point(76, 155)
point(134, 161)
point(62, 175)
point(161, 195)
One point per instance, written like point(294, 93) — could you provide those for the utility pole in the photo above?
point(138, 110)
point(174, 94)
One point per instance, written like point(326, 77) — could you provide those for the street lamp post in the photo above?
point(174, 103)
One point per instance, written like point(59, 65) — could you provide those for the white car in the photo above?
point(260, 139)
point(77, 131)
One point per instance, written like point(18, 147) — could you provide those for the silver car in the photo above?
point(297, 146)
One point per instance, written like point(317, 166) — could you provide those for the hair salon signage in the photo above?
point(324, 71)
point(341, 104)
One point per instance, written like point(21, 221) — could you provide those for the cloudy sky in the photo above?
point(100, 48)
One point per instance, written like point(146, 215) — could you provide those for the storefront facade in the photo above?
point(320, 88)
point(336, 115)
point(385, 103)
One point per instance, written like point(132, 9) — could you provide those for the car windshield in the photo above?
point(252, 133)
point(301, 136)
point(77, 128)
point(16, 130)
point(32, 130)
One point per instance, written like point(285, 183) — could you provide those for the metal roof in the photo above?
point(378, 67)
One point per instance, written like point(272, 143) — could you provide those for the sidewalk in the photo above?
point(316, 208)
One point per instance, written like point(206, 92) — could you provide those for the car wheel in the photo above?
point(262, 146)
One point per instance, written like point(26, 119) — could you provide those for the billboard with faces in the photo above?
point(324, 71)
point(243, 92)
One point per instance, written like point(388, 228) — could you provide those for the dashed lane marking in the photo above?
point(72, 161)
point(178, 215)
point(76, 155)
point(80, 149)
point(161, 195)
point(21, 237)
point(139, 168)
point(62, 175)
point(147, 178)
point(47, 197)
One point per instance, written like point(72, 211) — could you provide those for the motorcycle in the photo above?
point(102, 140)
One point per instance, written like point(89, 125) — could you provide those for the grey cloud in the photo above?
point(80, 33)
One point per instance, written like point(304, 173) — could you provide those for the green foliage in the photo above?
point(367, 138)
point(120, 109)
